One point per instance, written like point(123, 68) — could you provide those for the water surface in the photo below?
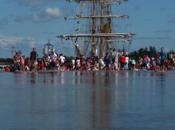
point(87, 101)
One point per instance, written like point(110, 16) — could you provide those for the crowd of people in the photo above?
point(113, 60)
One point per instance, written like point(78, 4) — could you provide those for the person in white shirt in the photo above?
point(78, 64)
point(101, 63)
point(62, 59)
point(115, 55)
point(73, 64)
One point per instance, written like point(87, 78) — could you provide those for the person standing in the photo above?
point(162, 59)
point(115, 57)
point(33, 59)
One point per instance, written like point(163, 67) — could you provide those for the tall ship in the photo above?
point(97, 35)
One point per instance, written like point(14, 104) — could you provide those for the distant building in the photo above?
point(48, 48)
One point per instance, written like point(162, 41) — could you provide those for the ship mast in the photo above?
point(94, 7)
point(100, 34)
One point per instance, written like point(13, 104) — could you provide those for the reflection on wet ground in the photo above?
point(87, 101)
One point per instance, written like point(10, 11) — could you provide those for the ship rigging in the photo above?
point(100, 33)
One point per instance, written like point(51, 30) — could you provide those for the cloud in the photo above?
point(152, 38)
point(171, 20)
point(34, 3)
point(43, 16)
point(163, 9)
point(25, 44)
point(4, 22)
point(164, 31)
point(21, 19)
point(137, 8)
point(9, 41)
point(47, 15)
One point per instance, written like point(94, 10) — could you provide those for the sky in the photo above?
point(25, 24)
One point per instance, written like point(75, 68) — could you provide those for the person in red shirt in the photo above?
point(7, 69)
point(122, 61)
